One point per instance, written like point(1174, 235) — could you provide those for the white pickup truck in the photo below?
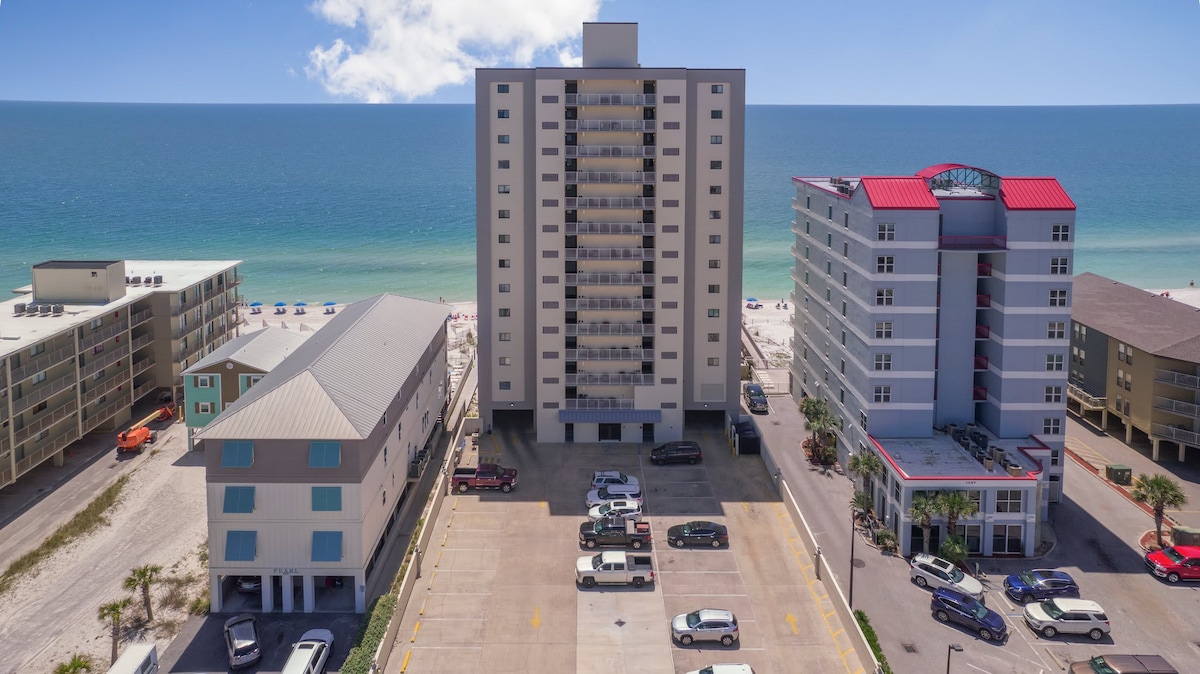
point(614, 568)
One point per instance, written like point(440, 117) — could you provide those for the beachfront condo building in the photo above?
point(308, 469)
point(931, 315)
point(609, 234)
point(1135, 361)
point(90, 341)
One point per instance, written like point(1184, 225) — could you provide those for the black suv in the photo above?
point(681, 451)
point(756, 400)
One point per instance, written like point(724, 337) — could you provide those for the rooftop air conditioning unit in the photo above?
point(31, 309)
point(19, 308)
point(137, 280)
point(44, 310)
point(158, 279)
point(58, 309)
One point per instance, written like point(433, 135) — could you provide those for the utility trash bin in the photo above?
point(1119, 474)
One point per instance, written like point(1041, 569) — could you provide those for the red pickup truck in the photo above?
point(484, 476)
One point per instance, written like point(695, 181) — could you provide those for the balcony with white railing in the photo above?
point(139, 342)
point(43, 392)
point(609, 379)
point(611, 354)
point(43, 362)
point(102, 388)
point(103, 334)
point(1086, 400)
point(97, 363)
point(1177, 379)
point(97, 417)
point(142, 365)
point(598, 404)
point(612, 203)
point(610, 177)
point(1177, 407)
point(611, 99)
point(610, 151)
point(609, 303)
point(610, 125)
point(602, 279)
point(50, 447)
point(1177, 434)
point(140, 317)
point(44, 420)
point(609, 254)
point(638, 228)
point(142, 390)
point(576, 329)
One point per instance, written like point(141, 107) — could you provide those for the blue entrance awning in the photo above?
point(610, 416)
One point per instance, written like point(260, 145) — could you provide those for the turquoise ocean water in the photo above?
point(340, 202)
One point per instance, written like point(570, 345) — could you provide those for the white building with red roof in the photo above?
point(931, 314)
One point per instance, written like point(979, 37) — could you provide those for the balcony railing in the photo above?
point(979, 393)
point(45, 451)
point(981, 363)
point(46, 420)
point(615, 303)
point(103, 334)
point(1177, 407)
point(609, 254)
point(609, 228)
point(611, 124)
point(139, 342)
point(609, 329)
point(101, 415)
point(1086, 400)
point(143, 390)
point(611, 99)
point(983, 331)
point(42, 362)
point(610, 354)
point(983, 269)
point(638, 203)
point(142, 365)
point(983, 301)
point(598, 404)
point(972, 243)
point(605, 177)
point(1178, 434)
point(140, 317)
point(1177, 379)
point(609, 379)
point(43, 392)
point(610, 279)
point(94, 365)
point(102, 388)
point(610, 151)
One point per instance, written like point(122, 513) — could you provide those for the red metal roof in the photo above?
point(901, 193)
point(936, 169)
point(1034, 194)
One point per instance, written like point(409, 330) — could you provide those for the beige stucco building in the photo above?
point(609, 234)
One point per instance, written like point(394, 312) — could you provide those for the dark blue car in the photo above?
point(953, 606)
point(1039, 585)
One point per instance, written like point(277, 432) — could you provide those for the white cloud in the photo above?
point(414, 47)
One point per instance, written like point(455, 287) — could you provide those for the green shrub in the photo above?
point(200, 606)
point(872, 640)
point(370, 635)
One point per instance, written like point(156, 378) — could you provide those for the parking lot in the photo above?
point(201, 646)
point(497, 588)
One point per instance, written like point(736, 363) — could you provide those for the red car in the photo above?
point(1181, 562)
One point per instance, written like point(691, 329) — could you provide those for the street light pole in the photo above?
point(950, 651)
point(853, 535)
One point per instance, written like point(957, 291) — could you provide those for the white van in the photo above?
point(310, 654)
point(137, 659)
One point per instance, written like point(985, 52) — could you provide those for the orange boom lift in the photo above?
point(138, 436)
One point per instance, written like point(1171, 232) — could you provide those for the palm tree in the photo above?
point(956, 504)
point(865, 465)
point(111, 613)
point(861, 503)
point(1159, 492)
point(922, 511)
point(813, 408)
point(143, 577)
point(76, 665)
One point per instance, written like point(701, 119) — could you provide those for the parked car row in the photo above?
point(309, 655)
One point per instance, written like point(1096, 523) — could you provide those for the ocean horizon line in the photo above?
point(345, 104)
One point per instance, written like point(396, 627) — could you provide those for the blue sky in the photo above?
point(867, 52)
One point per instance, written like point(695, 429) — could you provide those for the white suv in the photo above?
point(603, 478)
point(1068, 616)
point(310, 654)
point(930, 571)
point(614, 492)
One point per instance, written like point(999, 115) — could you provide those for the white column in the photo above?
point(214, 592)
point(309, 593)
point(360, 593)
point(288, 594)
point(268, 594)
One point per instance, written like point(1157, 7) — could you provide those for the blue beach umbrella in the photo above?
point(751, 299)
point(256, 304)
point(281, 304)
point(301, 304)
point(329, 304)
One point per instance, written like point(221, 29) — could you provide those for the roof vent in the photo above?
point(44, 309)
point(137, 280)
point(158, 280)
point(18, 308)
point(58, 309)
point(31, 309)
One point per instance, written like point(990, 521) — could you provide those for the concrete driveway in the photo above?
point(200, 647)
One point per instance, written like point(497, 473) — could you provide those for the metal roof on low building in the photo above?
point(338, 384)
point(261, 350)
point(1034, 194)
point(899, 193)
point(1149, 322)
